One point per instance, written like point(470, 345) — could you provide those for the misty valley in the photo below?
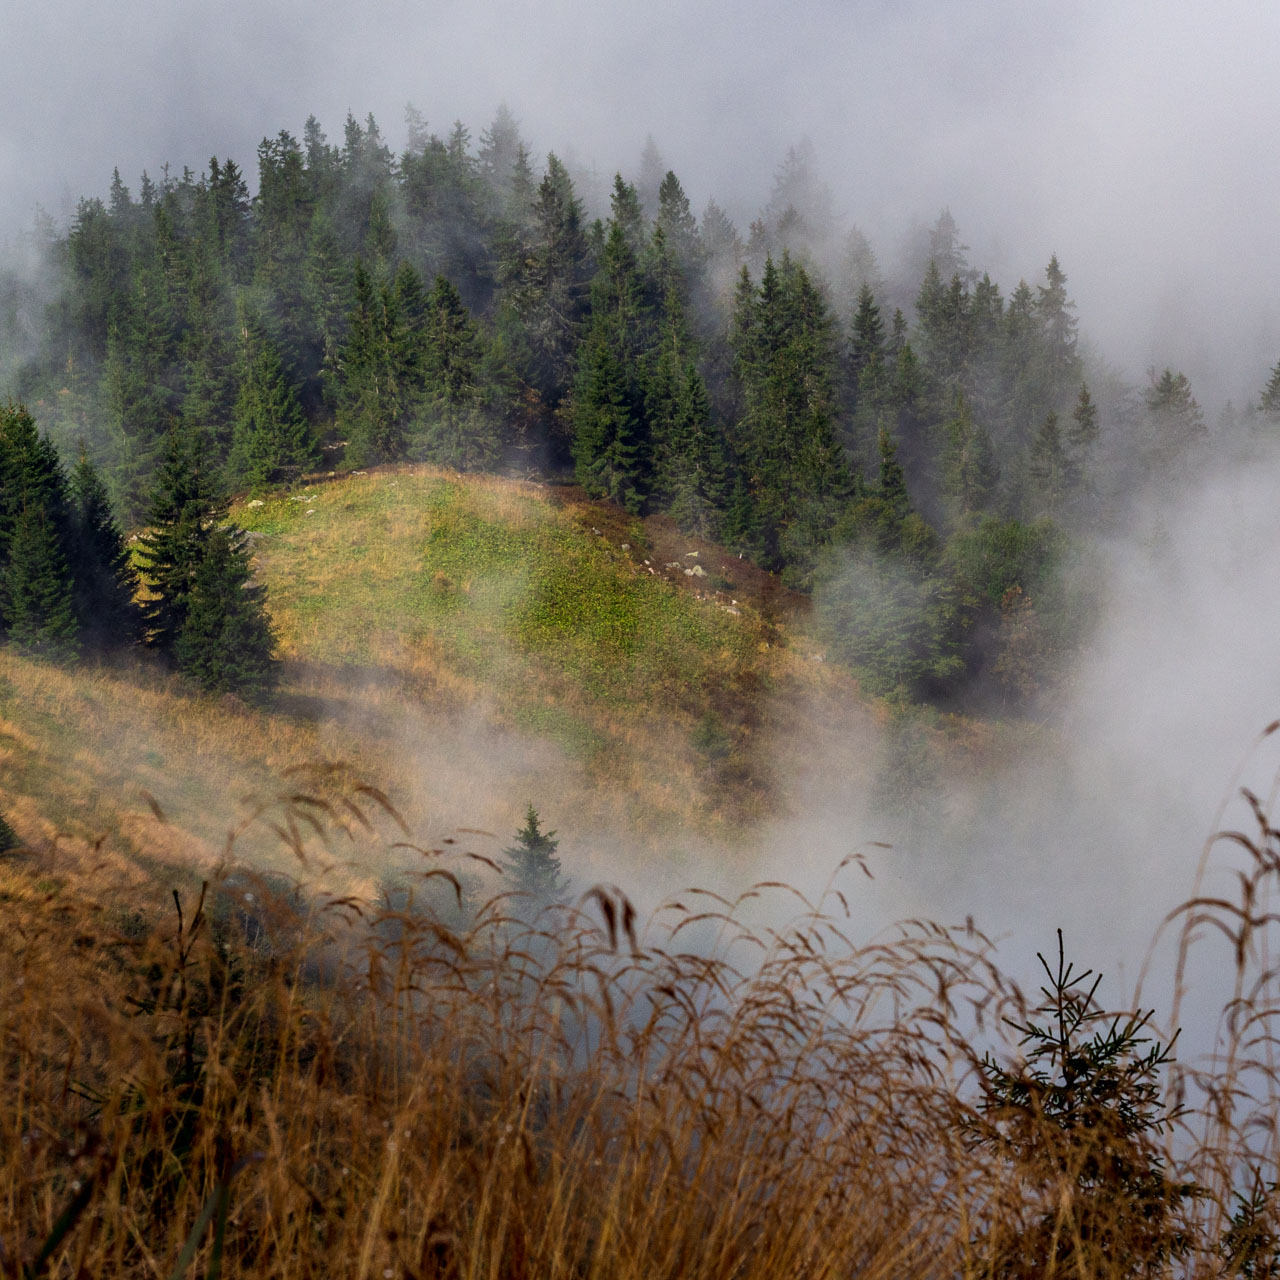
point(546, 731)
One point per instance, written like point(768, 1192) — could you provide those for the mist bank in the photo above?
point(1128, 142)
point(1102, 811)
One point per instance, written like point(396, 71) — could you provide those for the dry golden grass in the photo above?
point(274, 1083)
point(434, 696)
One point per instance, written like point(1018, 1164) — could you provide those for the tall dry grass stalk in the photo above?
point(268, 1081)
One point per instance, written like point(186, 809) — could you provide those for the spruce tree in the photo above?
point(532, 863)
point(1052, 470)
point(970, 470)
point(36, 590)
point(226, 643)
point(1269, 402)
point(8, 836)
point(610, 451)
point(328, 291)
point(678, 225)
point(1084, 421)
point(543, 272)
point(271, 439)
point(693, 463)
point(783, 343)
point(858, 271)
point(892, 487)
point(186, 503)
point(458, 430)
point(105, 581)
point(36, 537)
point(375, 397)
point(867, 345)
point(1058, 326)
point(1175, 424)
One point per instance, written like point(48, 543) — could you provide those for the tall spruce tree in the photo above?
point(783, 345)
point(1052, 470)
point(969, 466)
point(544, 273)
point(36, 589)
point(105, 581)
point(376, 393)
point(186, 503)
point(271, 439)
point(693, 462)
point(1269, 401)
point(1058, 327)
point(226, 643)
point(610, 449)
point(1174, 423)
point(458, 429)
point(36, 532)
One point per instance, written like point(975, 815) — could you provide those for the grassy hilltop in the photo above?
point(472, 643)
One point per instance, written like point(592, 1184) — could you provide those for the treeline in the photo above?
point(452, 304)
point(69, 587)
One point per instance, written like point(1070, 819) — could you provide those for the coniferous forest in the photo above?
point(378, 490)
point(918, 448)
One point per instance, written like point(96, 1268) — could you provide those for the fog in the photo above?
point(1104, 818)
point(1133, 139)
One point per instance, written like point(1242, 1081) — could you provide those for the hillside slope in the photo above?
point(473, 644)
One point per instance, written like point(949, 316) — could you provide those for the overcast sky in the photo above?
point(1138, 141)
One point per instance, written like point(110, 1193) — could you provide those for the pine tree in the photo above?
point(19, 457)
point(945, 248)
point(36, 589)
point(141, 399)
point(226, 643)
point(1052, 471)
point(328, 289)
point(499, 156)
point(610, 452)
point(375, 397)
point(679, 226)
point(36, 536)
point(627, 213)
point(186, 503)
point(867, 346)
point(283, 210)
point(8, 836)
point(544, 275)
point(1084, 1104)
point(105, 581)
point(271, 439)
point(1175, 424)
point(892, 488)
point(721, 244)
point(532, 862)
point(1269, 402)
point(945, 313)
point(692, 462)
point(970, 470)
point(652, 171)
point(1058, 327)
point(1084, 422)
point(458, 429)
point(859, 270)
point(783, 343)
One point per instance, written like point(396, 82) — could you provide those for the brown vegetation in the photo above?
point(265, 1080)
